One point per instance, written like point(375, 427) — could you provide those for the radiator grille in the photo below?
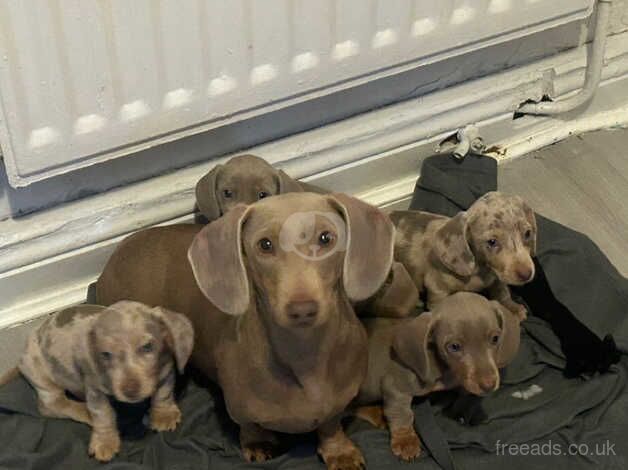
point(83, 81)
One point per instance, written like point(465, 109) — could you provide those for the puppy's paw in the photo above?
point(259, 451)
point(349, 458)
point(519, 310)
point(165, 417)
point(405, 443)
point(103, 446)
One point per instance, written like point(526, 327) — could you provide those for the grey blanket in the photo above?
point(538, 419)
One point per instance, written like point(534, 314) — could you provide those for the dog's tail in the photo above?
point(9, 376)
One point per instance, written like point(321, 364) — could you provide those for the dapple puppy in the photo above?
point(487, 247)
point(461, 343)
point(127, 351)
point(269, 288)
point(243, 180)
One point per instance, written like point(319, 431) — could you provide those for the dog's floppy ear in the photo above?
point(412, 345)
point(370, 237)
point(531, 218)
point(451, 245)
point(511, 334)
point(180, 338)
point(287, 184)
point(206, 198)
point(216, 258)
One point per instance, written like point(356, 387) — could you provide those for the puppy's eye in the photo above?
point(106, 356)
point(262, 195)
point(492, 243)
point(494, 339)
point(227, 193)
point(325, 238)
point(527, 234)
point(147, 348)
point(265, 245)
point(454, 347)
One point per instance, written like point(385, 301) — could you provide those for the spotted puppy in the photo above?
point(127, 351)
point(461, 343)
point(487, 247)
point(243, 180)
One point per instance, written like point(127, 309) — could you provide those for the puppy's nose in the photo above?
point(131, 389)
point(303, 310)
point(487, 384)
point(524, 274)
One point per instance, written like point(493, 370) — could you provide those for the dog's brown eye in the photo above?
point(262, 195)
point(325, 238)
point(454, 347)
point(494, 339)
point(492, 243)
point(106, 355)
point(147, 348)
point(527, 234)
point(227, 193)
point(265, 245)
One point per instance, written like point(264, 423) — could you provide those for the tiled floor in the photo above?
point(581, 182)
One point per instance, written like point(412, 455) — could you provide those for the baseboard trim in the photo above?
point(48, 258)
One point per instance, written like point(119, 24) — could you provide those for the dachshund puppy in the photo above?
point(461, 343)
point(490, 246)
point(243, 180)
point(127, 351)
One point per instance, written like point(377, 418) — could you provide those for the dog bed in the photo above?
point(554, 409)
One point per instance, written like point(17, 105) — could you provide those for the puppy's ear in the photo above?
point(531, 218)
point(451, 245)
point(180, 338)
point(216, 258)
point(412, 345)
point(511, 334)
point(287, 184)
point(206, 197)
point(370, 237)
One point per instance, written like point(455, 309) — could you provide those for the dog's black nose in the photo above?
point(302, 311)
point(524, 274)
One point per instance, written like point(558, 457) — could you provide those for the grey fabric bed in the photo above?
point(538, 419)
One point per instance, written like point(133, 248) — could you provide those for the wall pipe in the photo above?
point(593, 72)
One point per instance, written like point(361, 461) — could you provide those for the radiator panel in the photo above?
point(83, 81)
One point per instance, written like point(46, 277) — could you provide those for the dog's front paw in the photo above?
point(259, 451)
point(520, 311)
point(349, 458)
point(104, 445)
point(165, 417)
point(405, 443)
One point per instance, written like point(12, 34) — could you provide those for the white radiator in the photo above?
point(82, 81)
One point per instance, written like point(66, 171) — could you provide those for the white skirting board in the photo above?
point(47, 259)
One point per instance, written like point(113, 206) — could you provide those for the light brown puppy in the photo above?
point(243, 180)
point(270, 291)
point(487, 247)
point(461, 343)
point(127, 351)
